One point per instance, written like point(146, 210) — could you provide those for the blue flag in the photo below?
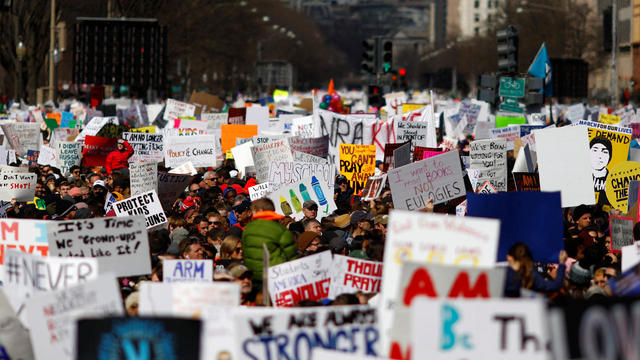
point(541, 68)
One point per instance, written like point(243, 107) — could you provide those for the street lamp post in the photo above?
point(52, 46)
point(20, 52)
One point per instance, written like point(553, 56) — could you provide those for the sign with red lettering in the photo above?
point(307, 278)
point(96, 149)
point(29, 236)
point(350, 275)
point(19, 186)
point(438, 177)
point(436, 281)
point(432, 239)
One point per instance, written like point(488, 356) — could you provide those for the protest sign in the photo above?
point(402, 156)
point(575, 112)
point(96, 149)
point(509, 133)
point(263, 139)
point(259, 191)
point(299, 331)
point(186, 168)
point(413, 131)
point(525, 159)
point(527, 181)
point(185, 299)
point(374, 187)
point(258, 115)
point(138, 338)
point(283, 173)
point(630, 256)
point(609, 146)
point(218, 332)
point(175, 109)
point(350, 275)
point(563, 154)
point(52, 315)
point(67, 154)
point(314, 146)
point(143, 177)
point(581, 329)
point(14, 337)
point(634, 193)
point(308, 158)
point(621, 229)
point(468, 329)
point(119, 244)
point(437, 281)
point(170, 186)
point(265, 154)
point(32, 157)
point(146, 146)
point(22, 136)
point(27, 274)
point(617, 184)
point(229, 133)
point(609, 119)
point(514, 210)
point(238, 116)
point(185, 270)
point(189, 125)
point(432, 238)
point(29, 236)
point(490, 158)
point(439, 178)
point(357, 164)
point(307, 278)
point(503, 121)
point(146, 204)
point(302, 127)
point(19, 186)
point(242, 156)
point(199, 149)
point(487, 188)
point(94, 125)
point(205, 102)
point(214, 120)
point(421, 152)
point(343, 129)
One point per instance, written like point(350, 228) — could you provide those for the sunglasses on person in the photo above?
point(216, 223)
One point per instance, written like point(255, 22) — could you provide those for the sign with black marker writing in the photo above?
point(120, 244)
point(146, 204)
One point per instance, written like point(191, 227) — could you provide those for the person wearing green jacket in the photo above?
point(264, 228)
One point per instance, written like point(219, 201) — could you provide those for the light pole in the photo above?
point(20, 52)
point(52, 46)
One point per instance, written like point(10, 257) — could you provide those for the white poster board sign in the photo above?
point(19, 186)
point(199, 149)
point(350, 275)
point(283, 173)
point(306, 278)
point(265, 154)
point(185, 270)
point(489, 157)
point(259, 191)
point(146, 146)
point(288, 199)
point(143, 177)
point(185, 299)
point(175, 109)
point(145, 204)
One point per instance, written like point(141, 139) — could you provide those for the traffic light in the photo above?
point(387, 55)
point(507, 49)
point(368, 64)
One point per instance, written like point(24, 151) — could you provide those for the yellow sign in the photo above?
point(618, 183)
point(411, 107)
point(357, 164)
point(146, 129)
point(609, 119)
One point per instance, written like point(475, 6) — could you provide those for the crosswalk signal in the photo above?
point(507, 49)
point(368, 64)
point(387, 55)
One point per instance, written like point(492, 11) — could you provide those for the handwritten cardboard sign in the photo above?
point(350, 275)
point(439, 178)
point(185, 270)
point(265, 154)
point(119, 244)
point(374, 187)
point(314, 146)
point(146, 146)
point(199, 149)
point(52, 316)
point(315, 327)
point(175, 109)
point(490, 158)
point(433, 238)
point(185, 299)
point(343, 129)
point(282, 173)
point(259, 191)
point(143, 177)
point(146, 204)
point(22, 136)
point(19, 186)
point(414, 131)
point(67, 154)
point(307, 278)
point(27, 274)
point(621, 232)
point(93, 127)
point(357, 164)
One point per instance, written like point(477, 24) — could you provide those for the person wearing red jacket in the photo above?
point(118, 158)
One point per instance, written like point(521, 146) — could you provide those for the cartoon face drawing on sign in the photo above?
point(601, 153)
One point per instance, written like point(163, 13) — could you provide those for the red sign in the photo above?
point(96, 149)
